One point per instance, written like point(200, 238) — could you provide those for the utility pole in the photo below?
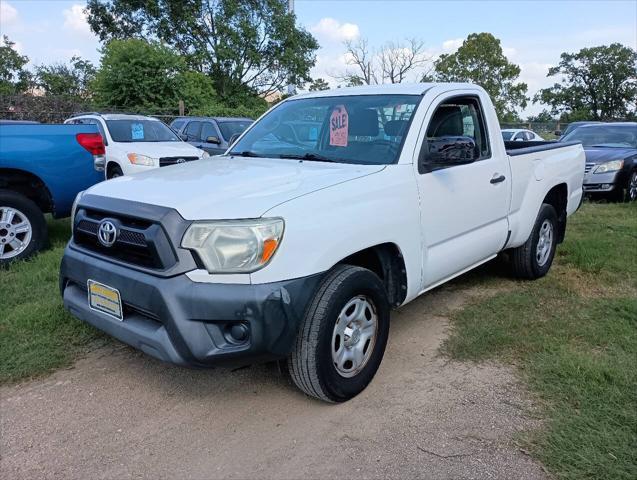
point(291, 89)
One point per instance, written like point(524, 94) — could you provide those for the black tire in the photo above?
point(630, 192)
point(310, 363)
point(524, 259)
point(114, 171)
point(33, 214)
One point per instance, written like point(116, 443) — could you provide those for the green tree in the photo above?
point(480, 60)
point(140, 76)
point(319, 84)
point(14, 77)
point(599, 83)
point(197, 91)
point(61, 79)
point(245, 46)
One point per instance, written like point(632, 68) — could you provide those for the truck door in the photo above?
point(464, 207)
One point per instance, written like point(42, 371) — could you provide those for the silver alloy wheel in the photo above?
point(544, 243)
point(15, 232)
point(354, 336)
point(632, 187)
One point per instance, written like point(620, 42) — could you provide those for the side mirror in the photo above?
point(213, 139)
point(233, 139)
point(519, 139)
point(183, 136)
point(558, 133)
point(447, 152)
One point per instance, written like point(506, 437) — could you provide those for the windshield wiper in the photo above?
point(608, 145)
point(245, 153)
point(309, 156)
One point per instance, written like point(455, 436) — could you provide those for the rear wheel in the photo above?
point(22, 227)
point(343, 335)
point(534, 259)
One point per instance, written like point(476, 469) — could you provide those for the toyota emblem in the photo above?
point(107, 233)
point(181, 160)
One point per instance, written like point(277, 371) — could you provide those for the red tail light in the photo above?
point(93, 142)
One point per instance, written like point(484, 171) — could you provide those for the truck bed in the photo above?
point(522, 148)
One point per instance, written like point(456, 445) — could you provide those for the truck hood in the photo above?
point(599, 155)
point(230, 187)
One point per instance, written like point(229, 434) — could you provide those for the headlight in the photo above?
point(74, 207)
point(235, 246)
point(204, 154)
point(137, 159)
point(608, 167)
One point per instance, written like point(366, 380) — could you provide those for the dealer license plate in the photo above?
point(105, 299)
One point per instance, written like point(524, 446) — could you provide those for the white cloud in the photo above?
point(452, 45)
point(332, 31)
point(75, 20)
point(8, 14)
point(509, 52)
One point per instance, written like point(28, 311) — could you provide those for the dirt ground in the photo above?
point(120, 414)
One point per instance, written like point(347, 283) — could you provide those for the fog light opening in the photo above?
point(237, 333)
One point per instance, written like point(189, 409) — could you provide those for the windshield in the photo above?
point(366, 129)
point(140, 131)
point(228, 129)
point(507, 135)
point(618, 136)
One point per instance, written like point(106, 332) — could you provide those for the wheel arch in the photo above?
point(557, 197)
point(387, 261)
point(110, 165)
point(29, 185)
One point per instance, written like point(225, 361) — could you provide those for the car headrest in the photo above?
point(363, 123)
point(395, 128)
point(447, 121)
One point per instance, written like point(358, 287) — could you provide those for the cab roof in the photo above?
point(387, 89)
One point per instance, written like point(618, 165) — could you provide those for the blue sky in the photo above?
point(533, 34)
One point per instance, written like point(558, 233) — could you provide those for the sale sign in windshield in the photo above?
point(339, 123)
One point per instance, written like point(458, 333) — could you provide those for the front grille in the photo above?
point(136, 241)
point(588, 167)
point(165, 161)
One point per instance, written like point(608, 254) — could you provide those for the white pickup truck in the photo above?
point(330, 210)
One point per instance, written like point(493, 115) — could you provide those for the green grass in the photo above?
point(573, 337)
point(36, 334)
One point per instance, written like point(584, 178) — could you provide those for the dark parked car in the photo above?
point(572, 126)
point(611, 159)
point(212, 134)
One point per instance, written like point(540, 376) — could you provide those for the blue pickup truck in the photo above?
point(42, 169)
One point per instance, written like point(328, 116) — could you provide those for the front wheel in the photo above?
point(343, 335)
point(22, 227)
point(114, 171)
point(631, 188)
point(534, 258)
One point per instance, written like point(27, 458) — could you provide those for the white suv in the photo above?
point(135, 143)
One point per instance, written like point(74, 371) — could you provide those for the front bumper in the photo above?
point(187, 323)
point(600, 182)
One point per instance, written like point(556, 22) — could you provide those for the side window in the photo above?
point(192, 131)
point(460, 117)
point(529, 136)
point(177, 124)
point(208, 130)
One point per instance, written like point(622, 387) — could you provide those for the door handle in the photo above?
point(497, 179)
